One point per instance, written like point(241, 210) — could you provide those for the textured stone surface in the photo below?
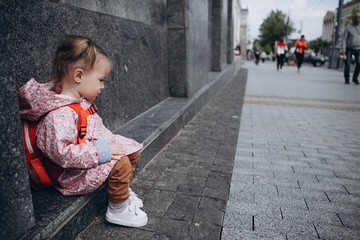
point(230, 34)
point(178, 80)
point(219, 34)
point(189, 46)
point(52, 210)
point(150, 12)
point(197, 44)
point(16, 214)
point(176, 14)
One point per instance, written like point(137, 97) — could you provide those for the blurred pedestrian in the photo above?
point(263, 56)
point(237, 49)
point(351, 44)
point(257, 55)
point(280, 53)
point(300, 46)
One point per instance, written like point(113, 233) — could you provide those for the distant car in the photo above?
point(309, 56)
point(317, 60)
point(270, 57)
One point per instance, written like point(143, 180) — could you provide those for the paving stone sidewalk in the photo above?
point(297, 167)
point(185, 188)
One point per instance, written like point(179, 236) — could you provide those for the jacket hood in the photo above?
point(37, 99)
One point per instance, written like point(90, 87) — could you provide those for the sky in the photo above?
point(308, 12)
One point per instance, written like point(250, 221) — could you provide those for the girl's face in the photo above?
point(93, 79)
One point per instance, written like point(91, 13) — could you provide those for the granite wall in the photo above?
point(230, 34)
point(150, 12)
point(177, 54)
point(160, 48)
point(219, 34)
point(198, 44)
point(197, 30)
point(16, 208)
point(188, 38)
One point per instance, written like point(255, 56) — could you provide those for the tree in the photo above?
point(272, 28)
point(350, 18)
point(256, 43)
point(318, 44)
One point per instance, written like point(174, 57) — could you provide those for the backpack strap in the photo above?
point(82, 122)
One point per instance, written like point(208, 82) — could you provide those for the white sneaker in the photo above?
point(135, 199)
point(131, 216)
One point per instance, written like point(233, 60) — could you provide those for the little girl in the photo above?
point(79, 69)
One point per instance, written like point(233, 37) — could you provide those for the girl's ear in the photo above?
point(78, 75)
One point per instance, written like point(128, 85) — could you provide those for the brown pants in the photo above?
point(120, 176)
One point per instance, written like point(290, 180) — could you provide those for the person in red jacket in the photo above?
point(300, 46)
point(281, 50)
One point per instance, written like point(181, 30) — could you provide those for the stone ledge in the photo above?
point(60, 217)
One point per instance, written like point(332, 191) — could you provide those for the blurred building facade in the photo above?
point(328, 26)
point(243, 31)
point(237, 22)
point(330, 23)
point(348, 10)
point(240, 27)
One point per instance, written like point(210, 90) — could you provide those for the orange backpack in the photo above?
point(42, 171)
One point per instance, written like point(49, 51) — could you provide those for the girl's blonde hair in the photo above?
point(72, 49)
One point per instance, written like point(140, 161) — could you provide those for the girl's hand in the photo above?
point(116, 151)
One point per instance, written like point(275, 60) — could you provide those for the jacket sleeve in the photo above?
point(343, 44)
point(57, 139)
point(129, 145)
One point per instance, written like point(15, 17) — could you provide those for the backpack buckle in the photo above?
point(93, 109)
point(82, 132)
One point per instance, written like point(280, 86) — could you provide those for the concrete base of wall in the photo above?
point(60, 217)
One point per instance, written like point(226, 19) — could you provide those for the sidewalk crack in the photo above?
point(281, 213)
point(342, 223)
point(306, 205)
point(327, 196)
point(317, 233)
point(253, 223)
point(317, 178)
point(346, 190)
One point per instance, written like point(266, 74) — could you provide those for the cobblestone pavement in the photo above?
point(186, 186)
point(297, 167)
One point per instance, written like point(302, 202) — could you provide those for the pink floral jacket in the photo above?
point(86, 166)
